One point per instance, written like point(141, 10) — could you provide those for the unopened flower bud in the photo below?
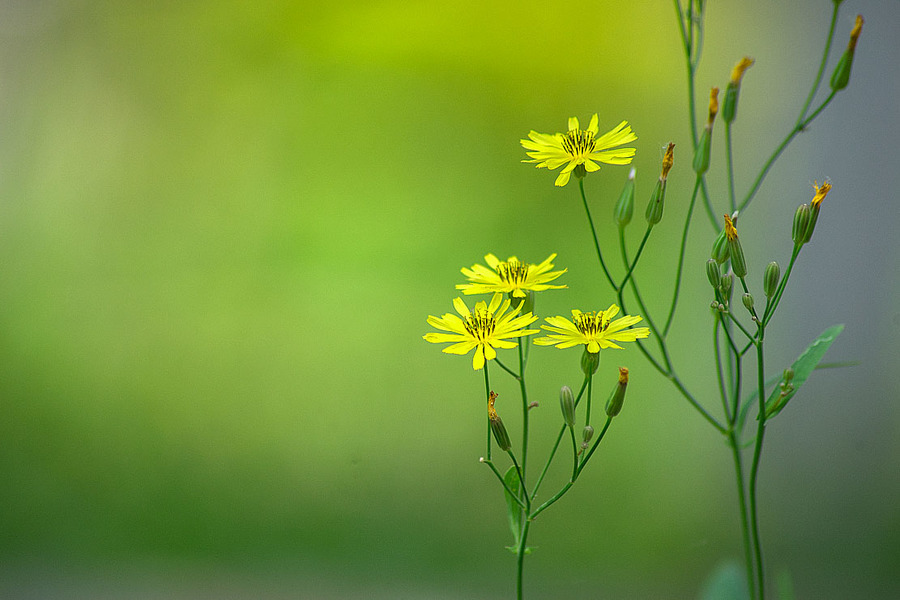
point(586, 435)
point(771, 278)
point(788, 375)
point(567, 404)
point(727, 286)
point(701, 154)
point(713, 273)
point(720, 251)
point(497, 427)
point(738, 264)
point(625, 206)
point(590, 362)
point(841, 76)
point(617, 397)
point(729, 105)
point(658, 197)
point(801, 224)
point(747, 300)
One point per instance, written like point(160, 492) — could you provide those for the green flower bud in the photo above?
point(567, 404)
point(713, 273)
point(625, 206)
point(586, 435)
point(738, 264)
point(496, 423)
point(590, 362)
point(727, 286)
point(747, 300)
point(657, 202)
point(720, 251)
point(729, 105)
point(771, 279)
point(701, 155)
point(841, 76)
point(617, 397)
point(801, 224)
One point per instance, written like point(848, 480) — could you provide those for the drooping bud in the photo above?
point(771, 279)
point(658, 197)
point(738, 264)
point(625, 206)
point(729, 105)
point(617, 397)
point(821, 192)
point(713, 273)
point(720, 251)
point(801, 224)
point(497, 427)
point(590, 362)
point(567, 404)
point(841, 76)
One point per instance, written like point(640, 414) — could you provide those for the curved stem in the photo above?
point(487, 392)
point(521, 557)
point(587, 210)
point(730, 159)
point(754, 469)
point(562, 431)
point(524, 392)
point(684, 237)
point(637, 256)
point(734, 442)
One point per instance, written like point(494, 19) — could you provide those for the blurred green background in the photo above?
point(222, 225)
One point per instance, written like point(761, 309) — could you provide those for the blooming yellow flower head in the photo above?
point(595, 330)
point(579, 148)
point(483, 329)
point(821, 192)
point(511, 276)
point(737, 73)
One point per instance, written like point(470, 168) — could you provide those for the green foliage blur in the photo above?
point(223, 224)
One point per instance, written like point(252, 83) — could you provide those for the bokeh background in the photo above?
point(222, 225)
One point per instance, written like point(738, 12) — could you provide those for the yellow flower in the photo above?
point(579, 148)
point(595, 330)
point(821, 192)
point(486, 327)
point(509, 277)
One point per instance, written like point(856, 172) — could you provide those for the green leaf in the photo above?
point(727, 582)
point(513, 510)
point(803, 367)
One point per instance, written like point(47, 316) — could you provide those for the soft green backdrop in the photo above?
point(223, 224)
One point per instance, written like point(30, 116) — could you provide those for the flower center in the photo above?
point(512, 272)
point(578, 143)
point(480, 323)
point(591, 323)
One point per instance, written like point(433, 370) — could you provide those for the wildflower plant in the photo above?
point(738, 398)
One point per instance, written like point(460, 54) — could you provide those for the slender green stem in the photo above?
point(487, 393)
point(503, 482)
point(587, 210)
point(590, 453)
point(590, 385)
point(734, 442)
point(684, 237)
point(730, 159)
point(521, 557)
point(754, 469)
point(562, 430)
point(637, 256)
point(524, 392)
point(507, 369)
point(521, 479)
point(776, 299)
point(821, 72)
point(720, 376)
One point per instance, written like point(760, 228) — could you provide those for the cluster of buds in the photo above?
point(786, 392)
point(723, 284)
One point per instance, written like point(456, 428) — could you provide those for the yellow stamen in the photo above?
point(730, 230)
point(821, 192)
